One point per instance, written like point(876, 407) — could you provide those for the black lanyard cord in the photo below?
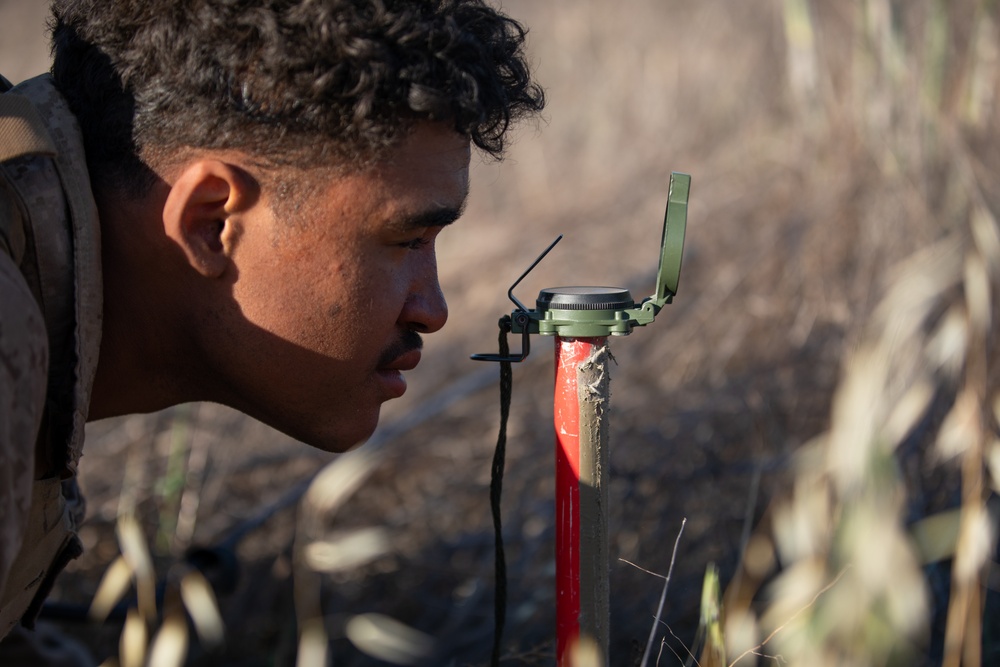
point(496, 486)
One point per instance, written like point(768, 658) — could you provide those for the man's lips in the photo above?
point(404, 362)
point(402, 356)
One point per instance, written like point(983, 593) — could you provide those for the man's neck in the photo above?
point(137, 368)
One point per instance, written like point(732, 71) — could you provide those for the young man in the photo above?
point(230, 202)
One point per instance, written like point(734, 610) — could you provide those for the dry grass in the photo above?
point(827, 373)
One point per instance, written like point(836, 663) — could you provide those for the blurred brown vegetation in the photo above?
point(828, 142)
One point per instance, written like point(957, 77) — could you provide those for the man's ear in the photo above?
point(199, 211)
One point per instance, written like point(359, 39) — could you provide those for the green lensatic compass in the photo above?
point(590, 312)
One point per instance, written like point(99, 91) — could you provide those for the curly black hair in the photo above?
point(320, 81)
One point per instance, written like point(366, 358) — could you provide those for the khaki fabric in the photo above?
point(50, 538)
point(22, 130)
point(50, 323)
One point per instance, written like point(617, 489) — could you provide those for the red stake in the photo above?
point(581, 394)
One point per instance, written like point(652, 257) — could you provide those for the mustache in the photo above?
point(408, 342)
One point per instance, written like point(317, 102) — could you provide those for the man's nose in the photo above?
point(426, 309)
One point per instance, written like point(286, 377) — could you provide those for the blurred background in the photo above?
point(841, 233)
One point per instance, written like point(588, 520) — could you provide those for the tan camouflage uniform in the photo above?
point(50, 324)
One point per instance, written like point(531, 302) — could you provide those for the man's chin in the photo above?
point(340, 436)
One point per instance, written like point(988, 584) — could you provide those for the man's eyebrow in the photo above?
point(438, 217)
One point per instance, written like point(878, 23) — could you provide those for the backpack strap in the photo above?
point(73, 184)
point(22, 131)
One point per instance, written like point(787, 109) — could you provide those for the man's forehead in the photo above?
point(429, 145)
point(433, 161)
point(422, 182)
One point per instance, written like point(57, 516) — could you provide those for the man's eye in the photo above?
point(417, 243)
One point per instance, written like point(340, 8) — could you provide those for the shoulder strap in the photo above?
point(72, 183)
point(22, 131)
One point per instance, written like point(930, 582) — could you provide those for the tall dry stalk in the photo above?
point(150, 637)
point(851, 584)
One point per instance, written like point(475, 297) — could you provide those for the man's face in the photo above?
point(331, 307)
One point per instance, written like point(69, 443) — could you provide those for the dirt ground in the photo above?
point(791, 233)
